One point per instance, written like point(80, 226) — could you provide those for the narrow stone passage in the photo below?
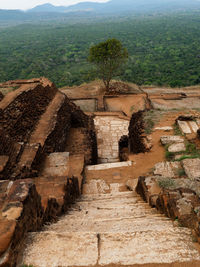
point(117, 229)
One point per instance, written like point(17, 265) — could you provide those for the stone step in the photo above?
point(90, 248)
point(109, 166)
point(111, 230)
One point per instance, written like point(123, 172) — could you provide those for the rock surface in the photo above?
point(111, 229)
point(175, 148)
point(192, 168)
point(178, 199)
point(167, 169)
point(167, 140)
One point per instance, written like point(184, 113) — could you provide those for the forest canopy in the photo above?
point(163, 50)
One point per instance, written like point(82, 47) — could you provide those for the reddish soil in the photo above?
point(144, 162)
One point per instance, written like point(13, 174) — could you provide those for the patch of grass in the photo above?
point(132, 108)
point(166, 183)
point(181, 172)
point(191, 148)
point(188, 157)
point(177, 130)
point(149, 124)
point(169, 155)
point(25, 265)
point(191, 152)
point(151, 117)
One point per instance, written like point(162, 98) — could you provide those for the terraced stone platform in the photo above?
point(111, 230)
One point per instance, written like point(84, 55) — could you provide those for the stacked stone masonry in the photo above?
point(109, 131)
point(36, 122)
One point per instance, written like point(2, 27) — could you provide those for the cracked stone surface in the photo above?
point(175, 148)
point(110, 229)
point(171, 139)
point(167, 169)
point(192, 168)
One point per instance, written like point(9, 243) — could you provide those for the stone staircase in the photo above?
point(113, 229)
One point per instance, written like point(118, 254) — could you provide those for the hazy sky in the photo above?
point(26, 4)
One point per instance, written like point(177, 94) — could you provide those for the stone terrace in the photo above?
point(36, 121)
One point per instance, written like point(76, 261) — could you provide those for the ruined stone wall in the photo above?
point(37, 118)
point(109, 131)
point(1, 96)
point(136, 133)
point(22, 211)
point(21, 115)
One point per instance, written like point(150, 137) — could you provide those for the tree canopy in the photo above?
point(108, 56)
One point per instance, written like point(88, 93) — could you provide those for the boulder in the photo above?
point(192, 168)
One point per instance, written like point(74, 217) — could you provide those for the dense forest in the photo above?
point(163, 50)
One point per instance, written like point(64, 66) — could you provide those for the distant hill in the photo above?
point(48, 8)
point(85, 10)
point(119, 6)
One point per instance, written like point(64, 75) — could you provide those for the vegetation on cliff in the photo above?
point(163, 50)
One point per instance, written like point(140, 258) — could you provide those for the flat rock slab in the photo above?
point(175, 148)
point(64, 249)
point(171, 139)
point(109, 166)
point(192, 168)
point(165, 129)
point(167, 169)
point(125, 248)
point(101, 187)
point(184, 127)
point(194, 126)
point(110, 230)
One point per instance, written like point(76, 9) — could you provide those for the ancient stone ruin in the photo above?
point(56, 159)
point(40, 169)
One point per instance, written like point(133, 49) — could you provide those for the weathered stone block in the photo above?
point(167, 169)
point(192, 168)
point(184, 127)
point(175, 148)
point(56, 164)
point(170, 139)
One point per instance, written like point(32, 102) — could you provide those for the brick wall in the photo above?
point(109, 131)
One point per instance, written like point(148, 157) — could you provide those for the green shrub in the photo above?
point(165, 183)
point(169, 155)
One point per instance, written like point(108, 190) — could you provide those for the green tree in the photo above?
point(108, 57)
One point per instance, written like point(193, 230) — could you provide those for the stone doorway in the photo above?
point(110, 127)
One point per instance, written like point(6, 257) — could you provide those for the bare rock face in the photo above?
point(192, 168)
